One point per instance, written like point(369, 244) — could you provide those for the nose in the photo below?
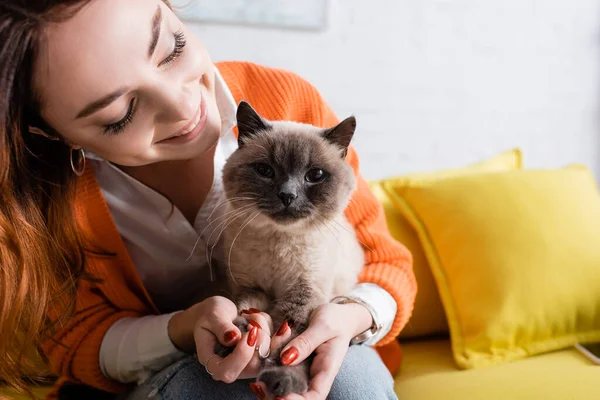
point(287, 198)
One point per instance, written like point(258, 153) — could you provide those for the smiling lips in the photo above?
point(192, 129)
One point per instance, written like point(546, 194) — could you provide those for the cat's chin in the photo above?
point(288, 216)
point(284, 221)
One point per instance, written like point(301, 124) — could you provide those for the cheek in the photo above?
point(196, 61)
point(131, 148)
point(245, 183)
point(320, 195)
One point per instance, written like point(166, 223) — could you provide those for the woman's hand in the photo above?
point(330, 330)
point(200, 327)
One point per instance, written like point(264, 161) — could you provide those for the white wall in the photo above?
point(438, 83)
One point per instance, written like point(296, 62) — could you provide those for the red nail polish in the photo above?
point(257, 390)
point(229, 336)
point(254, 324)
point(251, 311)
point(282, 329)
point(289, 356)
point(252, 336)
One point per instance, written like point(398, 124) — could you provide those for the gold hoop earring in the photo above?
point(78, 172)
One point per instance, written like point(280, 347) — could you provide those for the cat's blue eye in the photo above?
point(315, 175)
point(264, 170)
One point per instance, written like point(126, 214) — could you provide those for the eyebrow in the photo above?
point(108, 99)
point(156, 23)
point(100, 104)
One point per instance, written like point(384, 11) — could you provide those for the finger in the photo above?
point(263, 319)
point(259, 389)
point(220, 323)
point(253, 367)
point(205, 347)
point(281, 337)
point(231, 367)
point(292, 396)
point(303, 345)
point(325, 368)
point(228, 369)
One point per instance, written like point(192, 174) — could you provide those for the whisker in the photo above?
point(233, 242)
point(344, 228)
point(225, 223)
point(205, 228)
point(228, 221)
point(225, 215)
point(212, 248)
point(210, 253)
point(333, 234)
point(324, 222)
point(226, 201)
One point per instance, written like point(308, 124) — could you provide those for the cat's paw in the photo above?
point(281, 381)
point(241, 323)
point(222, 350)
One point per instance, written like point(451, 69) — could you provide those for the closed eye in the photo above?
point(119, 126)
point(180, 42)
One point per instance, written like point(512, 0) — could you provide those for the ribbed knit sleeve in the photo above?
point(116, 292)
point(388, 262)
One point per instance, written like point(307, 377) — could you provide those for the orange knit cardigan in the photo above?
point(277, 95)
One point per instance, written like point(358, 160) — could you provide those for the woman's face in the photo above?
point(126, 80)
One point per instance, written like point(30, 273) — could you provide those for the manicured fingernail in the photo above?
point(229, 336)
point(251, 311)
point(254, 324)
point(282, 329)
point(252, 336)
point(289, 356)
point(257, 390)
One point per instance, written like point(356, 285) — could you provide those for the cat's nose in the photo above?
point(286, 198)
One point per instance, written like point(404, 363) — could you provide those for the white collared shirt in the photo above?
point(160, 241)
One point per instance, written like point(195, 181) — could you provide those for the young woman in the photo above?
point(114, 126)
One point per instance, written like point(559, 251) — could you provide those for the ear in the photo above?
point(341, 135)
point(248, 122)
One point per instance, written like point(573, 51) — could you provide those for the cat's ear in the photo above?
point(341, 134)
point(248, 122)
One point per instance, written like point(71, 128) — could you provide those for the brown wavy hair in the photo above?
point(42, 255)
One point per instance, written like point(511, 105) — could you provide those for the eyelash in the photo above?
point(118, 127)
point(180, 42)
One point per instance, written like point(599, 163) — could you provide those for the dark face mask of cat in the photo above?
point(290, 172)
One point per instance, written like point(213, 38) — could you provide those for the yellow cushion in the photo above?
point(516, 258)
point(429, 373)
point(428, 316)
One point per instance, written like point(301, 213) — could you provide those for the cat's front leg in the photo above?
point(293, 309)
point(248, 301)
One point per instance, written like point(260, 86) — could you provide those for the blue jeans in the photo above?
point(362, 376)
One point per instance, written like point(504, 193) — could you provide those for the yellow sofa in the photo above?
point(430, 373)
